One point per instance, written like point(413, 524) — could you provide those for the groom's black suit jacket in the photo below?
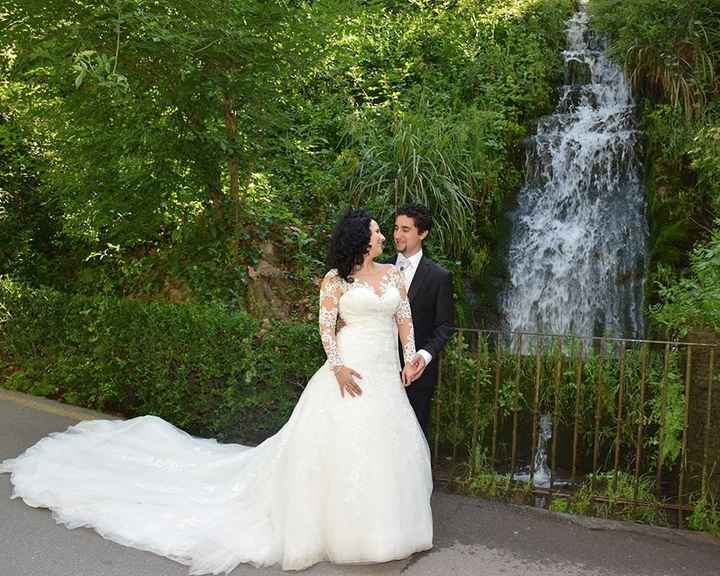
point(433, 313)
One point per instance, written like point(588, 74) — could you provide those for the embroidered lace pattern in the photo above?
point(332, 289)
point(403, 315)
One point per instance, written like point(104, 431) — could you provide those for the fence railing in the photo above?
point(631, 423)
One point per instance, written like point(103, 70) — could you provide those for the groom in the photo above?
point(431, 301)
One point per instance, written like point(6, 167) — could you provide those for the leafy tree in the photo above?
point(153, 111)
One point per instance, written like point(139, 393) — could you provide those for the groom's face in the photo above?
point(408, 240)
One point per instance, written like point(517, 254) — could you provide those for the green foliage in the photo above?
point(614, 489)
point(204, 368)
point(453, 164)
point(705, 151)
point(693, 301)
point(705, 516)
point(577, 385)
point(143, 103)
point(669, 48)
point(482, 480)
point(671, 52)
point(28, 219)
point(602, 495)
point(173, 141)
point(464, 402)
point(439, 116)
point(683, 200)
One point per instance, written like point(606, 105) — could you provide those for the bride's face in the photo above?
point(376, 240)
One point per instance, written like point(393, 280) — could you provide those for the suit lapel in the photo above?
point(419, 279)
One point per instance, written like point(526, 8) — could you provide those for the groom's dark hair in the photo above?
point(420, 215)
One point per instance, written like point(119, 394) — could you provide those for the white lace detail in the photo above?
point(403, 315)
point(331, 290)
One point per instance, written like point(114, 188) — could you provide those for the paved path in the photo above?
point(472, 537)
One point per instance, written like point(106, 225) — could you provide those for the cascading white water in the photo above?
point(578, 243)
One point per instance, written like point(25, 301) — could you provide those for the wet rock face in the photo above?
point(578, 249)
point(577, 72)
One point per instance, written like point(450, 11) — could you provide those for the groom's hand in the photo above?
point(344, 376)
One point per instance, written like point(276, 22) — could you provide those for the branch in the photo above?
point(117, 42)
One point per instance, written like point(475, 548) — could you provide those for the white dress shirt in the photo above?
point(408, 267)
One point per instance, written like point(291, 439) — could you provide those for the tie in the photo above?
point(405, 267)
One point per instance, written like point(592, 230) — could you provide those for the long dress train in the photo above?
point(346, 479)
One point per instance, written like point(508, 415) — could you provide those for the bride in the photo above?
point(347, 479)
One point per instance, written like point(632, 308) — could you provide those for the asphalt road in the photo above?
point(472, 536)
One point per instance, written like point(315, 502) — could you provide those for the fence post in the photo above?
point(683, 450)
point(496, 402)
point(663, 407)
point(598, 409)
point(708, 413)
point(518, 370)
point(578, 402)
point(641, 419)
point(556, 416)
point(619, 416)
point(536, 409)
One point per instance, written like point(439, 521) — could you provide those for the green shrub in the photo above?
point(705, 515)
point(669, 47)
point(693, 301)
point(201, 367)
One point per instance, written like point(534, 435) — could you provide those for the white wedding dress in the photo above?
point(346, 479)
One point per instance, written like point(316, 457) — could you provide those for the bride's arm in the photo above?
point(403, 318)
point(330, 292)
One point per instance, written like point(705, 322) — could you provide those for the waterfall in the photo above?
point(578, 243)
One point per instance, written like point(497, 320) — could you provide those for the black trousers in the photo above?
point(420, 394)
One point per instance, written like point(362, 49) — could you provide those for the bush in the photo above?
point(671, 52)
point(201, 367)
point(669, 48)
point(692, 301)
point(442, 98)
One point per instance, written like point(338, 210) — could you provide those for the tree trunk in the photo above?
point(214, 185)
point(233, 162)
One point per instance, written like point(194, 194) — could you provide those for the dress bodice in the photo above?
point(361, 304)
point(366, 310)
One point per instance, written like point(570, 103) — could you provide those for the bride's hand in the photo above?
point(344, 376)
point(409, 373)
point(413, 370)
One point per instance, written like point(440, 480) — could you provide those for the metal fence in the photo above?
point(637, 411)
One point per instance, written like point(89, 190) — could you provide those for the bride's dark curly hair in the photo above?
point(350, 241)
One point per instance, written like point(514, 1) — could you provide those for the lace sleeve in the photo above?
point(330, 291)
point(403, 318)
